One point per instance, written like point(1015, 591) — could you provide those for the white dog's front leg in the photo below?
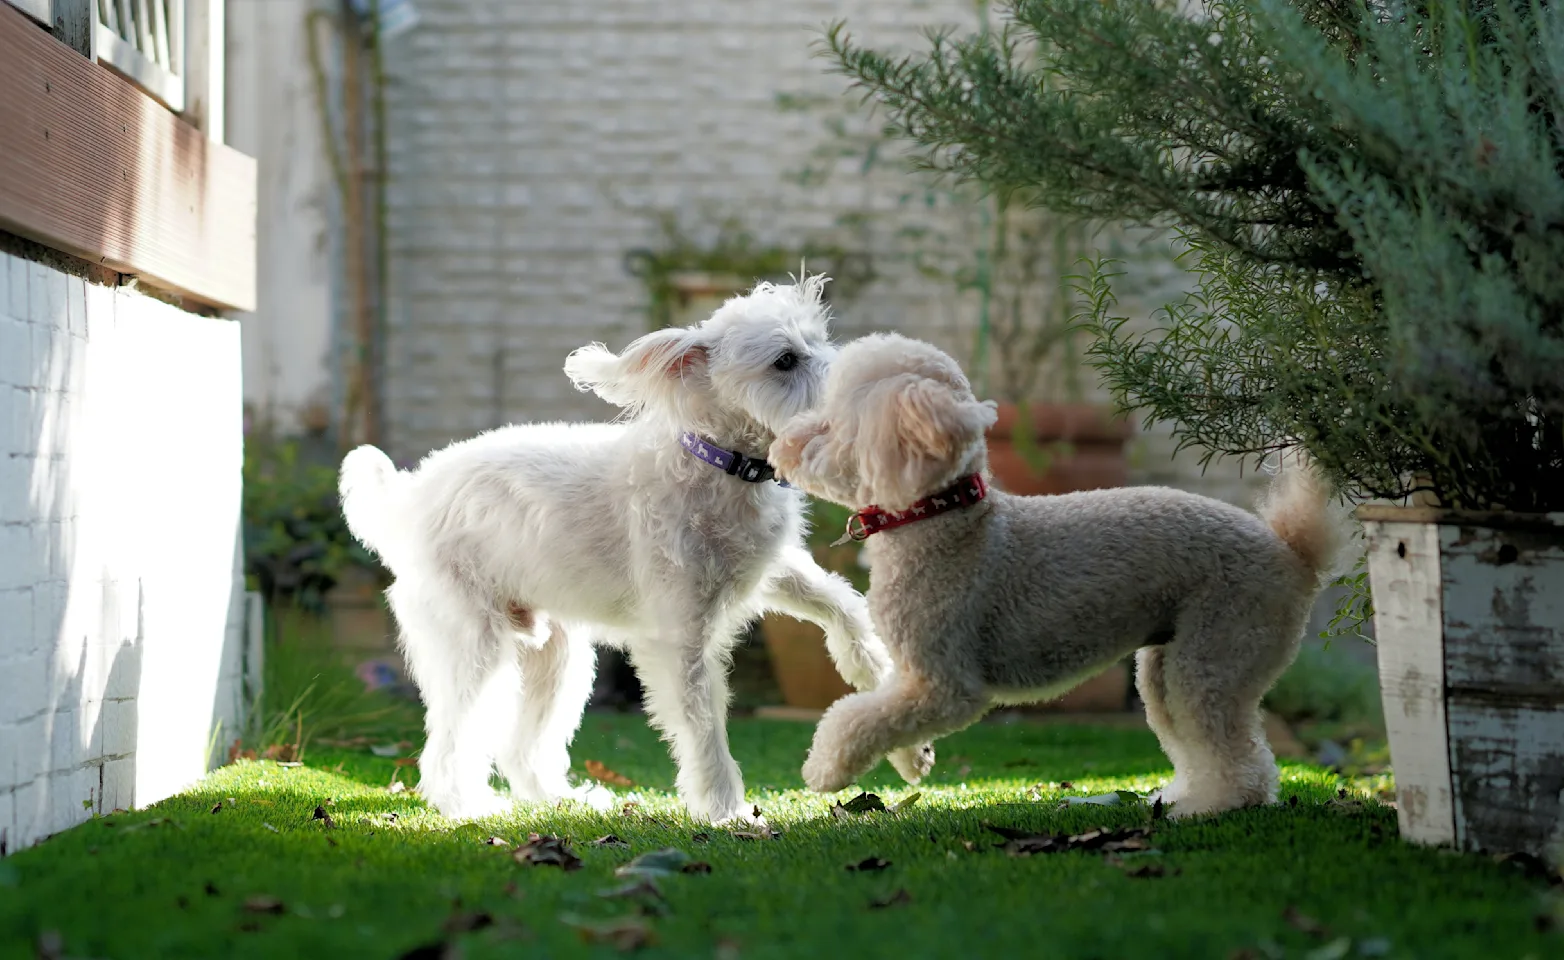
point(802, 588)
point(687, 698)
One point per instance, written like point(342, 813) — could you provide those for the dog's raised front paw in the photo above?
point(823, 774)
point(913, 763)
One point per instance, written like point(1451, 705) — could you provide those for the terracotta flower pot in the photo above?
point(1093, 460)
point(800, 663)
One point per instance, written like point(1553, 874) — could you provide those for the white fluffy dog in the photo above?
point(663, 534)
point(984, 598)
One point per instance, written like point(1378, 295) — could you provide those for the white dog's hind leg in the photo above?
point(687, 698)
point(467, 686)
point(860, 729)
point(556, 682)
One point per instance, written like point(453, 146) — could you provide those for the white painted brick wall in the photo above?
point(534, 144)
point(120, 460)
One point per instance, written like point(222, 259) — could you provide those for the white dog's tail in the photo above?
point(1298, 508)
point(367, 485)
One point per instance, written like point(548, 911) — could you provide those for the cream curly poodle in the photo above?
point(984, 598)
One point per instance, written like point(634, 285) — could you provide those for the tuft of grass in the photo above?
point(1322, 874)
point(310, 692)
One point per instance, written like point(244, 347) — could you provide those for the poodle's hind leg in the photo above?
point(557, 669)
point(1152, 687)
point(1213, 676)
point(466, 680)
point(861, 728)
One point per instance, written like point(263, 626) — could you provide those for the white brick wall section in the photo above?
point(120, 457)
point(533, 144)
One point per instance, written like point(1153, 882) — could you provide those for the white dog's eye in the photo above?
point(786, 361)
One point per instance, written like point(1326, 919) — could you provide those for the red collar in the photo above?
point(871, 520)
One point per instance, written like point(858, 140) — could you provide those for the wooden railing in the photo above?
point(145, 41)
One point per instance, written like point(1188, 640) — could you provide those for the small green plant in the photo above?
point(311, 693)
point(732, 255)
point(297, 544)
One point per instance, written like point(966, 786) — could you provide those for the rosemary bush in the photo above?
point(1371, 196)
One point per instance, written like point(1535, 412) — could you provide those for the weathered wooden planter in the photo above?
point(1469, 617)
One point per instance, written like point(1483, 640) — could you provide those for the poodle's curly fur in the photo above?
point(517, 549)
point(1018, 599)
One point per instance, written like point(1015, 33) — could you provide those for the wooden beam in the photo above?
point(96, 168)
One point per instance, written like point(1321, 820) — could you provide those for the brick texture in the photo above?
point(120, 446)
point(532, 145)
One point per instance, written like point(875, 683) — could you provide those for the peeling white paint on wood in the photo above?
point(1404, 567)
point(1469, 613)
point(1504, 683)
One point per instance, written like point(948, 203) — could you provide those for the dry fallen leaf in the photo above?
point(597, 771)
point(657, 863)
point(624, 933)
point(468, 922)
point(1304, 923)
point(260, 903)
point(643, 893)
point(869, 865)
point(281, 752)
point(547, 851)
point(609, 840)
point(322, 815)
point(863, 803)
point(900, 898)
point(1020, 843)
point(496, 842)
point(905, 802)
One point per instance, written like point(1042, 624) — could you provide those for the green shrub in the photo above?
point(1372, 194)
point(296, 543)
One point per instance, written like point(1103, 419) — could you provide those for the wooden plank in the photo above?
point(1486, 518)
point(94, 167)
point(1503, 610)
point(123, 58)
point(202, 36)
point(1508, 765)
point(1504, 674)
point(1404, 571)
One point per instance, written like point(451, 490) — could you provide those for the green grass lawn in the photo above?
point(1322, 877)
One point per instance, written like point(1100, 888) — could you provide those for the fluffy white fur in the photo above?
point(1018, 599)
point(516, 550)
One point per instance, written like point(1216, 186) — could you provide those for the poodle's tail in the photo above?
point(1299, 508)
point(367, 485)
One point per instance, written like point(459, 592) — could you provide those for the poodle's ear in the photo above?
point(925, 427)
point(651, 370)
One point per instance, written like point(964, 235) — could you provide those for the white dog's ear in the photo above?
point(930, 427)
point(650, 370)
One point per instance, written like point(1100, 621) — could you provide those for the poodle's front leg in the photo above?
point(860, 729)
point(800, 588)
point(687, 698)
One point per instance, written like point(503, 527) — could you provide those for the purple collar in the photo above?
point(731, 462)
